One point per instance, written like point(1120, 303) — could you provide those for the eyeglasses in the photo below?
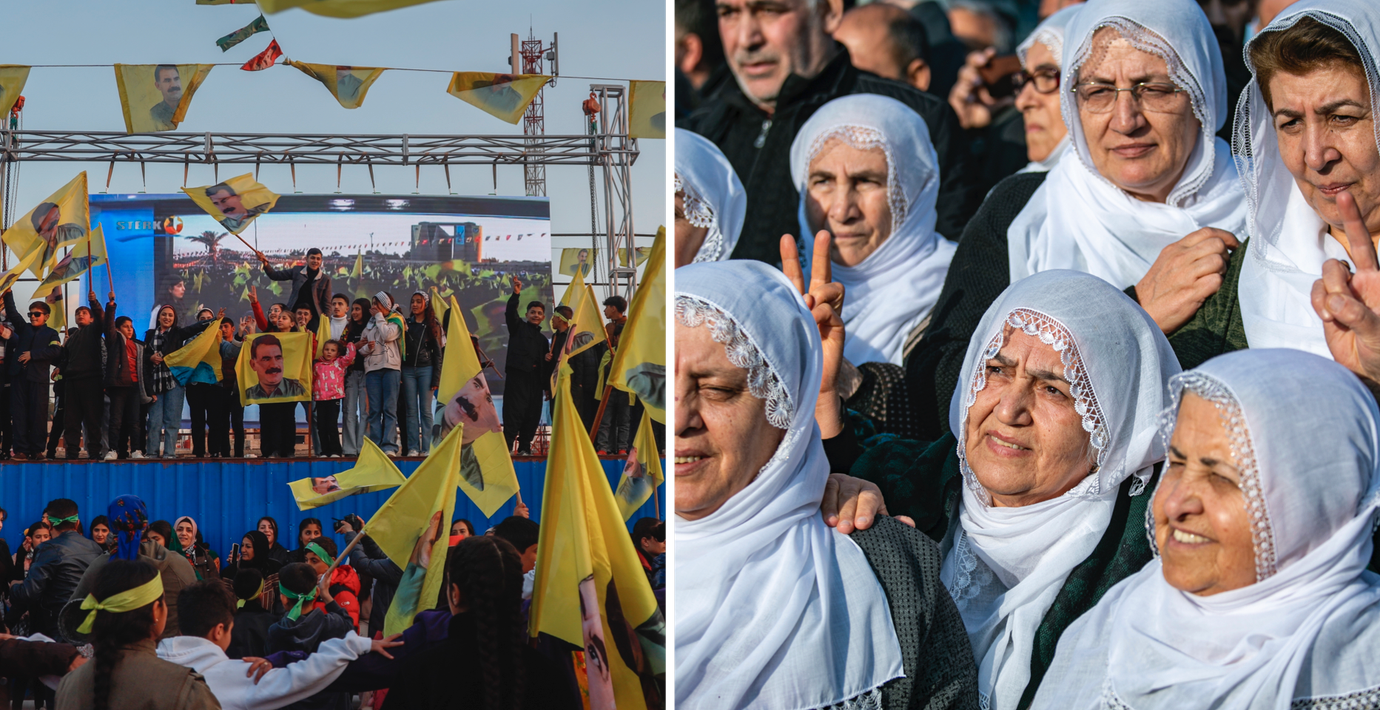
point(1155, 97)
point(1045, 81)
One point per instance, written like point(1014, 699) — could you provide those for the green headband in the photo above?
point(239, 604)
point(58, 521)
point(128, 600)
point(321, 552)
point(296, 611)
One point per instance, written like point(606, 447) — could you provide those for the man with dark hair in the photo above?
point(303, 628)
point(31, 350)
point(266, 360)
point(57, 569)
point(168, 81)
point(615, 431)
point(524, 535)
point(887, 41)
point(83, 373)
point(615, 309)
point(699, 51)
point(310, 284)
point(231, 204)
point(526, 375)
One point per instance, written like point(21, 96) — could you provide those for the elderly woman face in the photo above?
point(689, 238)
point(1201, 528)
point(1025, 442)
point(1140, 144)
point(1044, 123)
point(722, 438)
point(846, 193)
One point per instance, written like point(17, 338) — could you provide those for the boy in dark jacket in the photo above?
point(527, 351)
point(30, 352)
point(83, 373)
point(304, 629)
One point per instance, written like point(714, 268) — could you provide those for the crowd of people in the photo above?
point(121, 611)
point(1065, 397)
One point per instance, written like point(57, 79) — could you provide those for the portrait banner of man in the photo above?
point(578, 261)
point(646, 109)
point(12, 78)
point(642, 473)
point(347, 84)
point(503, 95)
point(640, 254)
point(60, 221)
point(373, 471)
point(639, 366)
point(275, 367)
point(234, 203)
point(344, 9)
point(155, 97)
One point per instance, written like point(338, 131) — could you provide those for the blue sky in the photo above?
point(617, 39)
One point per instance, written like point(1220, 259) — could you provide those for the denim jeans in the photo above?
point(416, 394)
point(356, 412)
point(382, 387)
point(165, 418)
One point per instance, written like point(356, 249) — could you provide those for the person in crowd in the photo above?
point(1036, 494)
point(615, 309)
point(328, 389)
point(187, 542)
point(649, 539)
point(344, 581)
point(6, 418)
point(308, 529)
point(31, 350)
point(100, 533)
point(421, 375)
point(269, 527)
point(523, 534)
point(277, 420)
point(886, 40)
point(787, 66)
point(615, 429)
point(710, 201)
point(1151, 204)
point(461, 529)
point(763, 617)
point(369, 559)
point(380, 344)
point(485, 654)
point(310, 285)
point(7, 563)
point(59, 404)
point(527, 350)
point(126, 383)
point(584, 368)
point(356, 418)
point(699, 54)
point(83, 375)
point(56, 571)
point(21, 659)
point(34, 535)
point(561, 317)
point(1262, 527)
point(209, 618)
point(229, 411)
point(980, 24)
point(253, 547)
point(1046, 136)
point(303, 318)
point(203, 397)
point(340, 315)
point(165, 413)
point(161, 532)
point(250, 632)
point(304, 628)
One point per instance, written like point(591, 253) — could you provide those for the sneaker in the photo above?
point(333, 456)
point(414, 452)
point(251, 456)
point(136, 455)
point(109, 456)
point(391, 454)
point(170, 456)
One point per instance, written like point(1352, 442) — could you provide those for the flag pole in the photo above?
point(345, 553)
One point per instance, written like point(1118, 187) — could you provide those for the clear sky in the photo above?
point(616, 39)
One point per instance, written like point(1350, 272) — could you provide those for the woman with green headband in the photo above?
point(125, 614)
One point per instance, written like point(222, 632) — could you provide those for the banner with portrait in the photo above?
point(155, 97)
point(642, 473)
point(578, 261)
point(234, 203)
point(338, 8)
point(372, 472)
point(347, 84)
point(12, 78)
point(503, 95)
point(275, 367)
point(60, 221)
point(646, 109)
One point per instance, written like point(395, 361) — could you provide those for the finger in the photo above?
point(1350, 313)
point(383, 652)
point(1335, 277)
point(848, 510)
point(830, 505)
point(394, 638)
point(1319, 299)
point(905, 519)
point(1362, 249)
point(821, 272)
point(870, 505)
point(790, 262)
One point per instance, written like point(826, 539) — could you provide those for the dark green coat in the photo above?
point(1216, 328)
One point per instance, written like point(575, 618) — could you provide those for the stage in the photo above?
point(227, 497)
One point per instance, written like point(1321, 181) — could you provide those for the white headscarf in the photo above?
point(1289, 241)
point(1305, 438)
point(896, 286)
point(714, 196)
point(1004, 566)
point(773, 609)
point(1078, 219)
point(1050, 33)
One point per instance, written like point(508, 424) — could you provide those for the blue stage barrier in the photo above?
point(227, 498)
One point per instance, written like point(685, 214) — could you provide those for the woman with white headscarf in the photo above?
point(1035, 494)
point(774, 609)
point(1259, 595)
point(1149, 198)
point(867, 173)
point(710, 201)
point(1046, 136)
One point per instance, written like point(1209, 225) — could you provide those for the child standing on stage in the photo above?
point(328, 389)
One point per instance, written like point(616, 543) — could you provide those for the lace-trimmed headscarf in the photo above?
point(1078, 219)
point(1050, 33)
point(1289, 241)
point(773, 609)
point(1305, 437)
point(1004, 566)
point(896, 286)
point(714, 196)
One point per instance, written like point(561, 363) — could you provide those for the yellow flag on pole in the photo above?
point(155, 97)
point(198, 360)
point(77, 261)
point(323, 333)
point(347, 84)
point(642, 473)
point(486, 466)
point(345, 9)
point(60, 221)
point(504, 96)
point(359, 264)
point(12, 78)
point(587, 327)
point(373, 471)
point(234, 203)
point(590, 589)
point(646, 109)
point(639, 366)
point(11, 277)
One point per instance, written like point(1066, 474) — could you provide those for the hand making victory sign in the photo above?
point(1349, 303)
point(824, 299)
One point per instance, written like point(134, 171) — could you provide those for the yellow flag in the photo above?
point(11, 277)
point(405, 517)
point(575, 289)
point(77, 261)
point(373, 471)
point(59, 221)
point(323, 333)
point(359, 265)
point(647, 109)
point(12, 78)
point(642, 473)
point(590, 589)
point(578, 262)
point(486, 466)
point(155, 97)
point(347, 84)
point(338, 8)
point(275, 367)
point(440, 306)
point(639, 253)
point(198, 360)
point(503, 95)
point(234, 203)
point(587, 327)
point(639, 366)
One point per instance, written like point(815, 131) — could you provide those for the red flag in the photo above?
point(264, 59)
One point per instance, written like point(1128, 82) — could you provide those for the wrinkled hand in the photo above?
point(1184, 275)
point(824, 299)
point(853, 504)
point(1348, 303)
point(381, 646)
point(257, 667)
point(969, 97)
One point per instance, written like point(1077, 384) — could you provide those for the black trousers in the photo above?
point(59, 418)
point(228, 417)
point(613, 434)
point(278, 429)
point(522, 409)
point(124, 420)
point(6, 423)
point(29, 405)
point(85, 405)
point(327, 426)
point(199, 399)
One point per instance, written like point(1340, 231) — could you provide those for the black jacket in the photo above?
point(423, 350)
point(733, 123)
point(306, 634)
point(117, 372)
point(368, 558)
point(249, 635)
point(41, 344)
point(81, 358)
point(56, 571)
point(527, 347)
point(320, 295)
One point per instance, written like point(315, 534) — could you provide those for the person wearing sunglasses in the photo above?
point(34, 346)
